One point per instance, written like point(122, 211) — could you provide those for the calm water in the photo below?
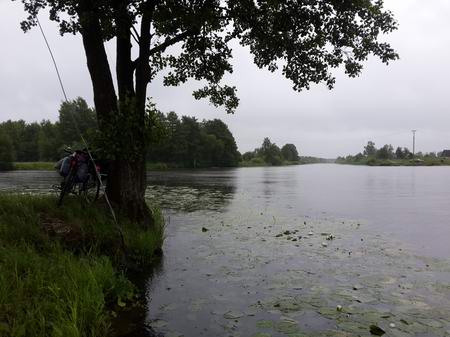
point(247, 254)
point(411, 203)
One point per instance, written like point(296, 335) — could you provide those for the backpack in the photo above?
point(63, 166)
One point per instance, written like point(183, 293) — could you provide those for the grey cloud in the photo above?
point(384, 104)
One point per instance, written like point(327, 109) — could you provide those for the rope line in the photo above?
point(119, 228)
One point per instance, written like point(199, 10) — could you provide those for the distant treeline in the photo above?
point(270, 154)
point(371, 155)
point(45, 141)
point(177, 142)
point(186, 142)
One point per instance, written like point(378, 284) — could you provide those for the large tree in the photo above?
point(304, 38)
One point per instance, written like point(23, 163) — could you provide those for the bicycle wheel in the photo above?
point(67, 186)
point(91, 189)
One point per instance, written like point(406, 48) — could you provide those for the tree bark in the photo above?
point(121, 122)
point(105, 98)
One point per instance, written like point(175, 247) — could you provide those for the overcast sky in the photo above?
point(384, 104)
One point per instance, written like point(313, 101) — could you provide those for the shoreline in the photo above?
point(49, 166)
point(396, 162)
point(70, 259)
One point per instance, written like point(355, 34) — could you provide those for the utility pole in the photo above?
point(414, 141)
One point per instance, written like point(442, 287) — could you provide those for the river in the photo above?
point(312, 250)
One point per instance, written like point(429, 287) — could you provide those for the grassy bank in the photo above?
point(259, 162)
point(158, 166)
point(63, 269)
point(397, 162)
point(255, 162)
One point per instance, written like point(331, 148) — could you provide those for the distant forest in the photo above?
point(385, 155)
point(174, 141)
point(179, 142)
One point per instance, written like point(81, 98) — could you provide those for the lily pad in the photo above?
point(286, 305)
point(328, 312)
point(233, 315)
point(286, 326)
point(264, 324)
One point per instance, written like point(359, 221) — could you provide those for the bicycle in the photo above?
point(82, 176)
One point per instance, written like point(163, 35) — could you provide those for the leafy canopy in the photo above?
point(304, 39)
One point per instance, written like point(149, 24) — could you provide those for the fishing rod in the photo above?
point(113, 214)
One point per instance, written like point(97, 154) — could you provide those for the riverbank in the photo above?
point(396, 162)
point(64, 269)
point(258, 162)
point(158, 166)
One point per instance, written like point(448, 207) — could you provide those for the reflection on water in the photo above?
point(36, 182)
point(191, 190)
point(263, 265)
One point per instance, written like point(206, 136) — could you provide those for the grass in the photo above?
point(62, 270)
point(35, 166)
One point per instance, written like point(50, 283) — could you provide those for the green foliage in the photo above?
point(50, 286)
point(225, 152)
point(23, 138)
point(386, 152)
point(56, 293)
point(49, 141)
point(22, 218)
point(270, 154)
point(289, 152)
point(45, 141)
point(6, 153)
point(76, 117)
point(399, 153)
point(370, 149)
point(186, 142)
point(306, 39)
point(172, 142)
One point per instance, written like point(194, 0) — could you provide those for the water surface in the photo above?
point(247, 254)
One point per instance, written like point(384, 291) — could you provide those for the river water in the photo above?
point(312, 250)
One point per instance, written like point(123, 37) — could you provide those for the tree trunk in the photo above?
point(127, 189)
point(121, 123)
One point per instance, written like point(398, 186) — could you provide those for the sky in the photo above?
point(383, 105)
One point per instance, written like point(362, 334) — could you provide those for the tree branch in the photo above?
point(169, 42)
